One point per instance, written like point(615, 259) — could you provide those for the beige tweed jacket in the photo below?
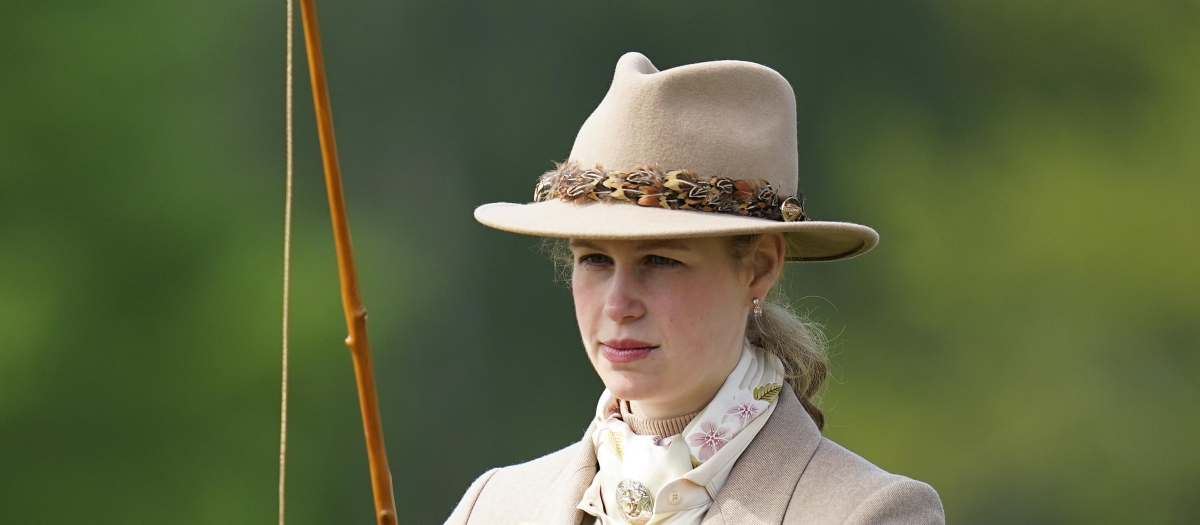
point(789, 475)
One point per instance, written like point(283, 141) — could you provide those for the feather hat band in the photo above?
point(698, 150)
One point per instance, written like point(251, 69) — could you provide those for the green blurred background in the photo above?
point(1024, 338)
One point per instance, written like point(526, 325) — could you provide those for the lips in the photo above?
point(627, 344)
point(625, 350)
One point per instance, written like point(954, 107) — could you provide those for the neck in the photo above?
point(654, 409)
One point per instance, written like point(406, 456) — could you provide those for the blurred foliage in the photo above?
point(1025, 337)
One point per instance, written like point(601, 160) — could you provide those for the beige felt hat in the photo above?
point(698, 150)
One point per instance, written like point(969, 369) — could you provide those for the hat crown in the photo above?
point(726, 118)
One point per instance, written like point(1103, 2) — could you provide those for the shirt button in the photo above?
point(674, 498)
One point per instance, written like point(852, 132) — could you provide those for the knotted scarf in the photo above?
point(673, 480)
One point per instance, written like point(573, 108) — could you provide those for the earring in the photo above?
point(757, 308)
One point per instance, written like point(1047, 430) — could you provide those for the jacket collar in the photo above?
point(779, 453)
point(745, 498)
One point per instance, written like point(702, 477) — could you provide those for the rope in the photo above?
point(287, 255)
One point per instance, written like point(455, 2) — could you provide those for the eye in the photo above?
point(592, 259)
point(660, 261)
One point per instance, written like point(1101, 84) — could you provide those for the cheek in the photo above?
point(588, 304)
point(698, 316)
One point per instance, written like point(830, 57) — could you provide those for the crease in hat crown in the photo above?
point(726, 118)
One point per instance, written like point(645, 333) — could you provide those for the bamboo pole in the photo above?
point(356, 314)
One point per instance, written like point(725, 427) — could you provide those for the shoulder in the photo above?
point(840, 484)
point(537, 473)
point(817, 481)
point(514, 489)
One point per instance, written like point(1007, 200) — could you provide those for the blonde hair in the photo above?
point(797, 341)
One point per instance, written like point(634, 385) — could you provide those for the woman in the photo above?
point(680, 205)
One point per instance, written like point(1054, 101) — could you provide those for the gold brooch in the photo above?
point(636, 504)
point(791, 210)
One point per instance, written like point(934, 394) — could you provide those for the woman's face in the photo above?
point(662, 320)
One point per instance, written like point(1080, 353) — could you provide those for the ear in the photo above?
point(767, 263)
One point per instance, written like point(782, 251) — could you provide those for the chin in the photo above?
point(631, 385)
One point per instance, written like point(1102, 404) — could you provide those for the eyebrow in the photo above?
point(642, 246)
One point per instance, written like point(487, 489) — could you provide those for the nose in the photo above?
point(624, 301)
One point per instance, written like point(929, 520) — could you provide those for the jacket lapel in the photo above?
point(559, 506)
point(765, 476)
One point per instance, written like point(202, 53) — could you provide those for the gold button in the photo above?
point(674, 498)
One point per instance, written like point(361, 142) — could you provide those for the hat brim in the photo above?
point(807, 240)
